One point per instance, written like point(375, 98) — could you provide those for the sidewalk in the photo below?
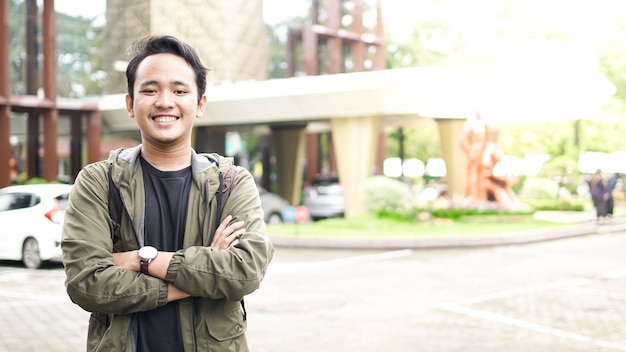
point(578, 224)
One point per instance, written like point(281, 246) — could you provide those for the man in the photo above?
point(171, 281)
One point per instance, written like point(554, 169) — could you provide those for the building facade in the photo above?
point(230, 36)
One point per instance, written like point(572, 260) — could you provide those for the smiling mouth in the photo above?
point(164, 119)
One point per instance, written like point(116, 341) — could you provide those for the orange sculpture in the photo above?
point(484, 187)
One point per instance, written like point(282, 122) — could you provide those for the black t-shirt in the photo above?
point(167, 199)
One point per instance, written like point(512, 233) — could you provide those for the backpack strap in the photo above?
point(223, 191)
point(115, 207)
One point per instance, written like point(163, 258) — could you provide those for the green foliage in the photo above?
point(517, 187)
point(384, 195)
point(540, 188)
point(36, 181)
point(421, 142)
point(371, 227)
point(562, 169)
point(431, 43)
point(458, 213)
point(560, 165)
point(569, 204)
point(80, 53)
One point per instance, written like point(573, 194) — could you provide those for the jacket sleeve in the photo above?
point(92, 280)
point(234, 273)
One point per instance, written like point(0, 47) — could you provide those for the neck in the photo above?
point(167, 160)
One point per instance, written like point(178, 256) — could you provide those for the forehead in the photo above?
point(166, 67)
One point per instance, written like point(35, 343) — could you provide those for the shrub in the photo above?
point(569, 204)
point(35, 181)
point(384, 195)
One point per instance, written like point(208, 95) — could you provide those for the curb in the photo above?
point(539, 235)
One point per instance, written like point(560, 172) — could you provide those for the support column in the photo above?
point(266, 162)
point(313, 159)
point(335, 43)
point(50, 156)
point(356, 143)
point(450, 133)
point(289, 144)
point(380, 61)
point(309, 44)
point(76, 145)
point(51, 116)
point(5, 143)
point(381, 155)
point(94, 136)
point(5, 92)
point(358, 47)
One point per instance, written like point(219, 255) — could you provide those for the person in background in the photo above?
point(610, 200)
point(175, 278)
point(597, 187)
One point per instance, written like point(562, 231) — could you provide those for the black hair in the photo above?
point(164, 44)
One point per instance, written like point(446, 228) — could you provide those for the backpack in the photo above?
point(222, 194)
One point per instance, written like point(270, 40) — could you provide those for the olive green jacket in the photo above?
point(212, 319)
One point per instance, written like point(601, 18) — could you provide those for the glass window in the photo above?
point(63, 200)
point(12, 201)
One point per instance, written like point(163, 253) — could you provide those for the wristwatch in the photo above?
point(146, 254)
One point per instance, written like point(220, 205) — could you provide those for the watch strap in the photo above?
point(143, 263)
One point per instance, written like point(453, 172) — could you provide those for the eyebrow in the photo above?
point(155, 82)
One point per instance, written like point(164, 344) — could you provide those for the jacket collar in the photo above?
point(199, 162)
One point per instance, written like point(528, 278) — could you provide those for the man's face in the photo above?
point(165, 101)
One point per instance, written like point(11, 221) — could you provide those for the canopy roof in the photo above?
point(501, 93)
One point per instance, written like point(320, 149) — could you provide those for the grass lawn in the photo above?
point(369, 227)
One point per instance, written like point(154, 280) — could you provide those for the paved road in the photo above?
point(564, 295)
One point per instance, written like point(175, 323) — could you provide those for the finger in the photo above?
point(233, 243)
point(237, 233)
point(234, 226)
point(224, 223)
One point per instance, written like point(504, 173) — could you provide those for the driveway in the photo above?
point(564, 295)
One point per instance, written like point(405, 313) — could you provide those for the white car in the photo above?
point(324, 198)
point(31, 221)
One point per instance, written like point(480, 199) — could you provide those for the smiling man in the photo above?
point(175, 277)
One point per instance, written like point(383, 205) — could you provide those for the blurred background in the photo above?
point(555, 86)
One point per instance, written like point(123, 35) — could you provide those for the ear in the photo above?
point(201, 106)
point(129, 107)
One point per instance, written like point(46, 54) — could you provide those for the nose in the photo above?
point(164, 101)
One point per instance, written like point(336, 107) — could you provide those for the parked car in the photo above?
point(273, 206)
point(31, 219)
point(324, 198)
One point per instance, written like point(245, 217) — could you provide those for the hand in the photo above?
point(226, 236)
point(127, 260)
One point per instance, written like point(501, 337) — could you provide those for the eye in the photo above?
point(148, 91)
point(180, 91)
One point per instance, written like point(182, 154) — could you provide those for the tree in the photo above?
point(441, 37)
point(79, 52)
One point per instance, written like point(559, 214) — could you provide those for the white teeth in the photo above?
point(164, 119)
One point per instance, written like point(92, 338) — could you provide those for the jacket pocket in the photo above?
point(98, 326)
point(224, 328)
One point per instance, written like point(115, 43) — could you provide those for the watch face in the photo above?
point(147, 252)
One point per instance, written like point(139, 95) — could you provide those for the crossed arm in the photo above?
point(226, 236)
